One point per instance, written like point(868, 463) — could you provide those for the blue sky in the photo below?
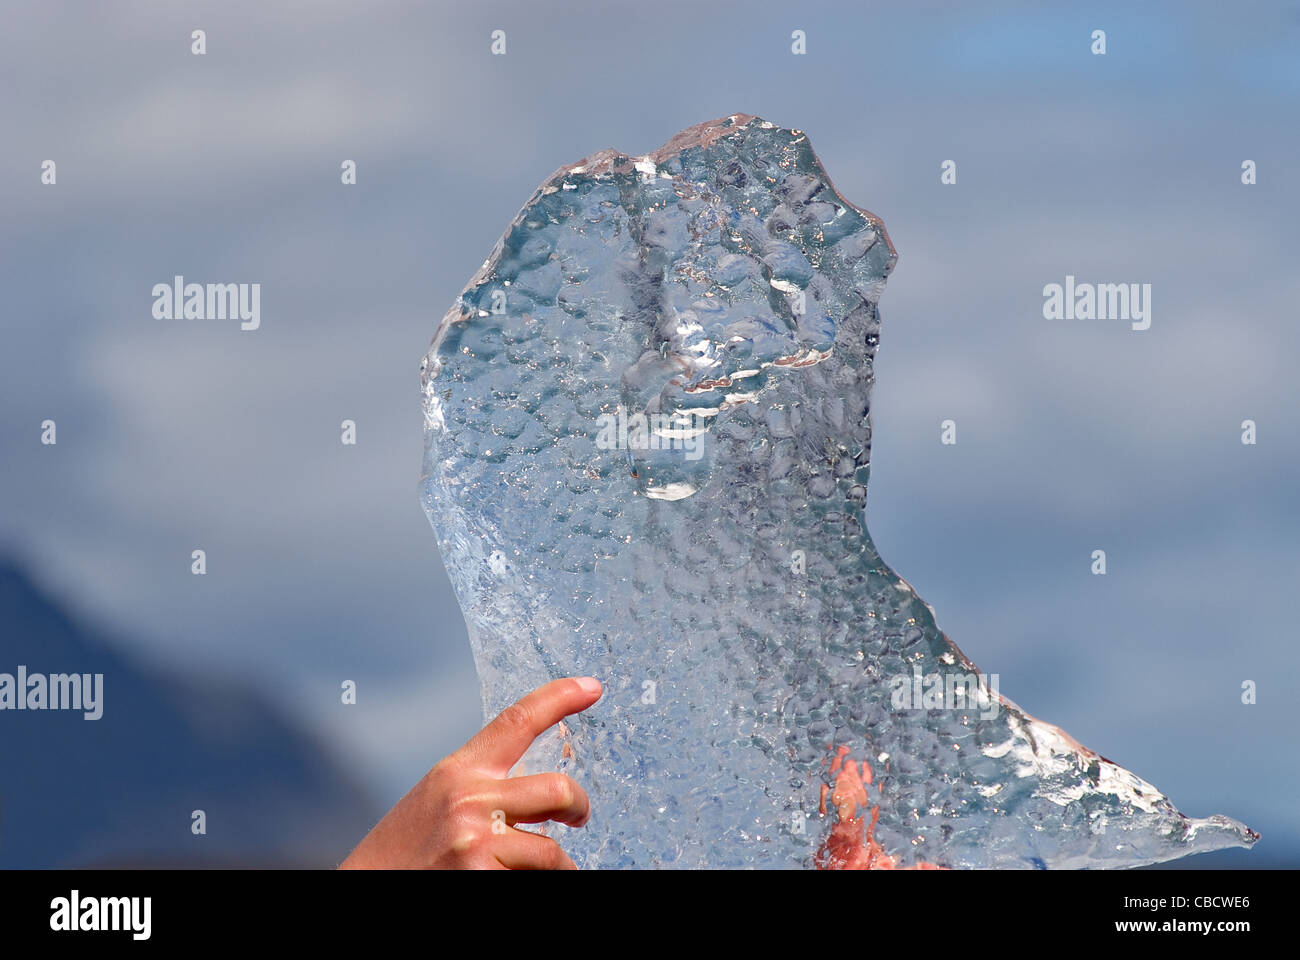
point(1073, 435)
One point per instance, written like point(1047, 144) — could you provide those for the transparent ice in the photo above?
point(709, 559)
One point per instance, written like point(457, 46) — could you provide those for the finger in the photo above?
point(518, 850)
point(542, 797)
point(498, 746)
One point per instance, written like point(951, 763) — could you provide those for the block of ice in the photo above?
point(648, 439)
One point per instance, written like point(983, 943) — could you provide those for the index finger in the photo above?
point(498, 746)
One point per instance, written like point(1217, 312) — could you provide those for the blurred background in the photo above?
point(223, 691)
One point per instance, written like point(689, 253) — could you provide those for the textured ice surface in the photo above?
point(714, 569)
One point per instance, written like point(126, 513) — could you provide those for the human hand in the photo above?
point(461, 815)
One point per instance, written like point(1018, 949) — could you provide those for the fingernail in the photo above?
point(589, 684)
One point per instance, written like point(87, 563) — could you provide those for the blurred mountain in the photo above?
point(120, 790)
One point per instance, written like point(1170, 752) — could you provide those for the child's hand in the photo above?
point(446, 821)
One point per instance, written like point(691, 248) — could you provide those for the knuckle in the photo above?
point(462, 804)
point(555, 856)
point(464, 842)
point(453, 797)
point(516, 717)
point(435, 791)
point(442, 778)
point(563, 792)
